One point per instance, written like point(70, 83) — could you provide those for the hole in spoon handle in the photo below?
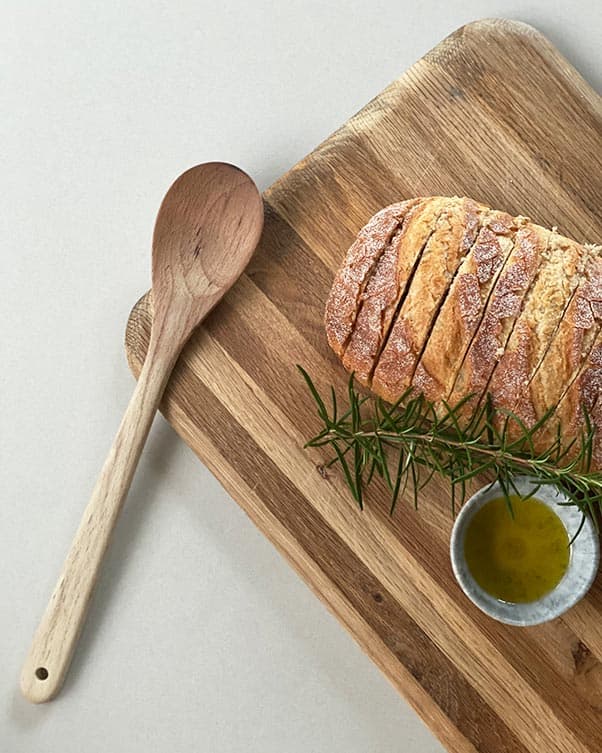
point(41, 680)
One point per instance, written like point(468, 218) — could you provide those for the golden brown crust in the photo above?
point(350, 280)
point(464, 306)
point(573, 340)
point(387, 285)
point(569, 376)
point(584, 392)
point(440, 260)
point(590, 390)
point(500, 315)
point(543, 308)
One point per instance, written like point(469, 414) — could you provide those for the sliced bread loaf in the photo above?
point(453, 299)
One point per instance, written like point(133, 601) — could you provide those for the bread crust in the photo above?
point(463, 309)
point(544, 305)
point(570, 374)
point(570, 346)
point(590, 387)
point(354, 273)
point(501, 313)
point(387, 285)
point(568, 418)
point(447, 246)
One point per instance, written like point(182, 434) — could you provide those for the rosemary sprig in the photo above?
point(408, 442)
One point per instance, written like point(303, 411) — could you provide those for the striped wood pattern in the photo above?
point(493, 112)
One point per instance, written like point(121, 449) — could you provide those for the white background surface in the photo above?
point(200, 637)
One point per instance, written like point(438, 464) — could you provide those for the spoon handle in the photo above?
point(56, 637)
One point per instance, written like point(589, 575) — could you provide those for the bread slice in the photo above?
point(464, 306)
point(501, 313)
point(568, 418)
point(590, 388)
point(544, 305)
point(387, 285)
point(568, 376)
point(350, 280)
point(444, 252)
point(570, 345)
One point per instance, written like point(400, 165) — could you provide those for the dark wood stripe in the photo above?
point(281, 257)
point(344, 197)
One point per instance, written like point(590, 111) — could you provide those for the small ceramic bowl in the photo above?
point(582, 568)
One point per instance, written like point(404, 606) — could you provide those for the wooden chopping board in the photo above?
point(493, 112)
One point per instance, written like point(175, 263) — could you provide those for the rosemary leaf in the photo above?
point(399, 442)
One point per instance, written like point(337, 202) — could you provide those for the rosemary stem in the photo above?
point(408, 436)
point(399, 442)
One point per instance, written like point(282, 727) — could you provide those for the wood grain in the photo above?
point(493, 112)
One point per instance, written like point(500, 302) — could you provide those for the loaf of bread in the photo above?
point(452, 299)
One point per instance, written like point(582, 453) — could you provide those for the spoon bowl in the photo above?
point(207, 228)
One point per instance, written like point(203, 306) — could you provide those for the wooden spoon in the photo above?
point(207, 228)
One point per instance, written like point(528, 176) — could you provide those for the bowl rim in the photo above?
point(582, 569)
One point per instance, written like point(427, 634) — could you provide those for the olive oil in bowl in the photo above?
point(529, 567)
point(516, 557)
